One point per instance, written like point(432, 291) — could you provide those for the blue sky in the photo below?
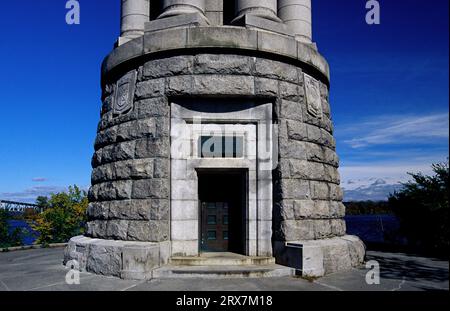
point(389, 89)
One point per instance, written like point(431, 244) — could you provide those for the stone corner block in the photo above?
point(316, 258)
point(124, 259)
point(139, 261)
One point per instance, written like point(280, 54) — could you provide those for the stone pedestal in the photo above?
point(184, 20)
point(180, 7)
point(316, 258)
point(124, 259)
point(180, 13)
point(262, 8)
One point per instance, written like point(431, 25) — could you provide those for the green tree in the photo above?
point(422, 208)
point(42, 202)
point(63, 218)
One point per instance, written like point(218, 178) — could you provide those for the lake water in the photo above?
point(372, 228)
point(27, 239)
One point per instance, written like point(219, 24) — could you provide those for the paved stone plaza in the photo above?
point(42, 270)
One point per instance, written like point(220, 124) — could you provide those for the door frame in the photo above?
point(254, 120)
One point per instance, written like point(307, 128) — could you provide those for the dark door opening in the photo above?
point(223, 205)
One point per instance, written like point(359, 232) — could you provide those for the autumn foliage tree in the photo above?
point(64, 216)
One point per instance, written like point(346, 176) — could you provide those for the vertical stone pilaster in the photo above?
point(297, 15)
point(262, 8)
point(179, 7)
point(134, 15)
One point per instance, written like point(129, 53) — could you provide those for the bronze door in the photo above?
point(214, 227)
point(222, 207)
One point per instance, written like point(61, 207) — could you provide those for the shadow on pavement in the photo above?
point(400, 266)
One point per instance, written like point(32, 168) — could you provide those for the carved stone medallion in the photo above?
point(123, 100)
point(313, 100)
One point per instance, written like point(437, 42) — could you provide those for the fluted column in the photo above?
point(179, 7)
point(135, 13)
point(296, 14)
point(262, 8)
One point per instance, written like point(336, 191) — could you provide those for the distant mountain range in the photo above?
point(370, 189)
point(374, 189)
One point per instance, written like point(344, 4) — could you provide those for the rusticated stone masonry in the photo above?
point(130, 190)
point(176, 61)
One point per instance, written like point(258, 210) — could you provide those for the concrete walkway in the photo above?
point(42, 270)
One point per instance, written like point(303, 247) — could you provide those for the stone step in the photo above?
point(224, 272)
point(221, 259)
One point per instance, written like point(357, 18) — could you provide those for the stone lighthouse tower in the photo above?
point(215, 142)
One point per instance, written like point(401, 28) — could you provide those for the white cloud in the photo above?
point(387, 130)
point(374, 192)
point(356, 176)
point(29, 195)
point(376, 182)
point(39, 179)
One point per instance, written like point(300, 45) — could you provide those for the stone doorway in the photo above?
point(223, 210)
point(193, 128)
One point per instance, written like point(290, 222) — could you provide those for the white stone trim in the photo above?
point(248, 121)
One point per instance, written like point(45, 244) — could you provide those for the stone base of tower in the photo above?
point(124, 259)
point(138, 260)
point(316, 258)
